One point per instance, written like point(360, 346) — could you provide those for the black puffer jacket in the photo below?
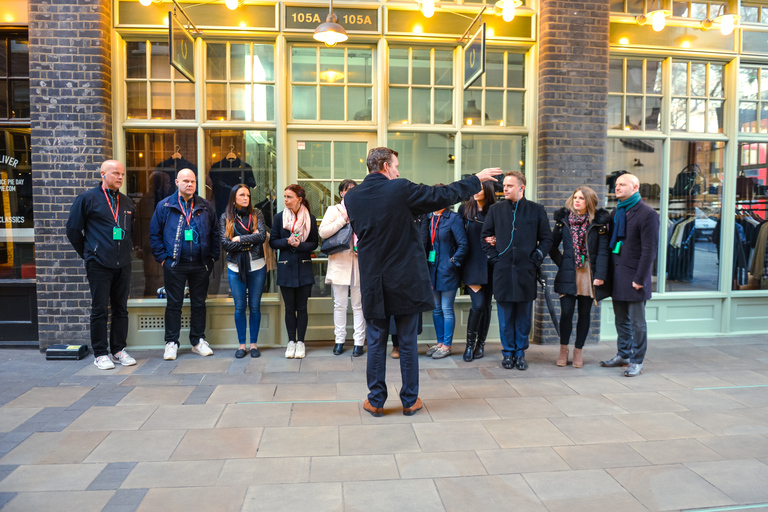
point(597, 253)
point(253, 243)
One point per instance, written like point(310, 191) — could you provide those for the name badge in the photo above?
point(188, 235)
point(431, 257)
point(117, 233)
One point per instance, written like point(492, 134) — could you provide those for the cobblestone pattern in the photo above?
point(70, 70)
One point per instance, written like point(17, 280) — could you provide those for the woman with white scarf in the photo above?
point(294, 234)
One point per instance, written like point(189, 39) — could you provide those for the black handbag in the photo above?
point(339, 241)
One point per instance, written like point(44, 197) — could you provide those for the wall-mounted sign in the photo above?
point(182, 46)
point(353, 20)
point(9, 160)
point(474, 57)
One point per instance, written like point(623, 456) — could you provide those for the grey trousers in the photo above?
point(632, 330)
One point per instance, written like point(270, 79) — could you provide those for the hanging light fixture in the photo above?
point(330, 32)
point(233, 4)
point(427, 7)
point(147, 3)
point(727, 22)
point(506, 8)
point(657, 18)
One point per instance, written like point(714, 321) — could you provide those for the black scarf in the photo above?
point(243, 257)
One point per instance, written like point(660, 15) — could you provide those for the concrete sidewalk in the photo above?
point(220, 433)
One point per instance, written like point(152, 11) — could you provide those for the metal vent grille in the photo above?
point(158, 322)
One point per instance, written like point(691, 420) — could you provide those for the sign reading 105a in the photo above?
point(351, 19)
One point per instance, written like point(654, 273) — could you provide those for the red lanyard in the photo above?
point(433, 226)
point(294, 223)
point(116, 211)
point(244, 227)
point(188, 217)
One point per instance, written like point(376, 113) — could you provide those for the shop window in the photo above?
point(427, 158)
point(240, 82)
point(155, 90)
point(698, 96)
point(695, 199)
point(635, 94)
point(14, 77)
point(753, 13)
point(17, 232)
point(498, 97)
point(479, 152)
point(753, 99)
point(331, 84)
point(421, 86)
point(750, 266)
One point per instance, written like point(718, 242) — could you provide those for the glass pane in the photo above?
point(360, 103)
point(715, 118)
point(698, 79)
point(216, 62)
point(443, 67)
point(19, 99)
point(763, 117)
point(764, 16)
point(516, 70)
point(185, 100)
point(4, 60)
point(263, 102)
point(698, 11)
point(303, 64)
point(515, 109)
point(614, 113)
point(694, 211)
point(160, 66)
point(634, 76)
point(398, 105)
point(679, 114)
point(748, 117)
point(422, 106)
point(136, 59)
point(161, 100)
point(494, 108)
point(652, 113)
point(240, 105)
point(240, 62)
point(679, 78)
point(750, 268)
point(304, 102)
point(424, 157)
point(748, 83)
point(479, 151)
point(749, 14)
point(617, 5)
point(635, 6)
point(420, 67)
point(320, 195)
point(19, 57)
point(349, 161)
point(680, 9)
point(360, 66)
point(443, 106)
point(4, 99)
point(398, 66)
point(616, 75)
point(315, 160)
point(332, 103)
point(473, 101)
point(136, 93)
point(653, 77)
point(216, 102)
point(634, 117)
point(263, 63)
point(716, 80)
point(331, 65)
point(697, 118)
point(764, 82)
point(494, 69)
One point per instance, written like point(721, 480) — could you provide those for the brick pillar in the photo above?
point(70, 75)
point(573, 100)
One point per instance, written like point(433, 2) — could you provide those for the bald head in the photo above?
point(626, 186)
point(112, 174)
point(186, 181)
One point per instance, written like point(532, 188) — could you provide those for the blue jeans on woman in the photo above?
point(443, 316)
point(254, 286)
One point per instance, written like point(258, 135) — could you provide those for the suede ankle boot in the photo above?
point(578, 361)
point(562, 359)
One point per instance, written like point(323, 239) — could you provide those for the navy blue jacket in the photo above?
point(634, 263)
point(166, 231)
point(450, 249)
point(90, 225)
point(294, 266)
point(475, 270)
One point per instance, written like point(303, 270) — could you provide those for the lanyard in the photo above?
point(116, 211)
point(433, 226)
point(244, 227)
point(294, 223)
point(188, 217)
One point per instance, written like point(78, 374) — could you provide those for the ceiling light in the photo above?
point(145, 3)
point(330, 32)
point(507, 8)
point(233, 4)
point(427, 7)
point(657, 18)
point(727, 21)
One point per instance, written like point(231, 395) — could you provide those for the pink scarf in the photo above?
point(300, 223)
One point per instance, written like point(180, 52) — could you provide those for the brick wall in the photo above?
point(573, 100)
point(71, 109)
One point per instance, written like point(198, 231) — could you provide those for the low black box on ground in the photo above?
point(73, 352)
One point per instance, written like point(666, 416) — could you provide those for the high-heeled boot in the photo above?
point(578, 360)
point(562, 359)
point(482, 332)
point(472, 321)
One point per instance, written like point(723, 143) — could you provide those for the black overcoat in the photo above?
point(634, 263)
point(475, 270)
point(597, 253)
point(393, 265)
point(294, 266)
point(517, 258)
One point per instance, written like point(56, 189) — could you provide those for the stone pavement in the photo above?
point(218, 433)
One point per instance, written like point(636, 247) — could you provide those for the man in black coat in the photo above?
point(634, 244)
point(393, 266)
point(516, 236)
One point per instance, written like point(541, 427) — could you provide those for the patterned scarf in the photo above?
point(302, 221)
point(579, 224)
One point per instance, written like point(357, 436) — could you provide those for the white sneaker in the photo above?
point(170, 351)
point(104, 363)
point(124, 359)
point(202, 348)
point(300, 351)
point(290, 352)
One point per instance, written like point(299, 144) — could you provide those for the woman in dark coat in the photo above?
point(583, 266)
point(477, 272)
point(294, 233)
point(445, 243)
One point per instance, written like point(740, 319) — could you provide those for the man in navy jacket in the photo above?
point(184, 240)
point(100, 228)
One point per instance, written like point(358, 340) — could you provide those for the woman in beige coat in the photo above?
point(344, 277)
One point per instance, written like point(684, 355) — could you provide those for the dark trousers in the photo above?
point(194, 275)
point(514, 327)
point(567, 308)
point(296, 316)
point(377, 331)
point(109, 287)
point(631, 327)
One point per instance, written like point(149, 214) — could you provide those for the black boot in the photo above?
point(480, 345)
point(472, 323)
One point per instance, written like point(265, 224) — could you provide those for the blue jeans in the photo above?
point(514, 327)
point(254, 286)
point(443, 316)
point(632, 330)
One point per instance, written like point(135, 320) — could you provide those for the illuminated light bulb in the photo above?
point(489, 32)
point(231, 4)
point(141, 155)
point(243, 24)
point(418, 29)
point(521, 163)
point(686, 44)
point(508, 11)
point(624, 40)
point(658, 20)
point(727, 24)
point(469, 122)
point(145, 3)
point(428, 8)
point(501, 123)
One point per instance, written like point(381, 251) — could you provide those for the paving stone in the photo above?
point(505, 492)
point(738, 447)
point(586, 405)
point(649, 383)
point(302, 392)
point(285, 470)
point(484, 388)
point(645, 402)
point(112, 476)
point(541, 387)
point(12, 417)
point(742, 480)
point(524, 407)
point(460, 409)
point(318, 497)
point(742, 378)
point(595, 430)
point(386, 496)
point(725, 424)
point(199, 395)
point(225, 499)
point(125, 500)
point(54, 477)
point(54, 448)
point(299, 441)
point(377, 439)
point(441, 464)
point(447, 436)
point(81, 501)
point(61, 396)
point(316, 414)
point(327, 364)
point(702, 400)
point(156, 395)
point(113, 418)
point(5, 497)
point(693, 380)
point(218, 443)
point(521, 460)
point(581, 490)
point(202, 365)
point(272, 414)
point(183, 417)
point(600, 456)
point(155, 379)
point(353, 468)
point(526, 433)
point(433, 390)
point(136, 446)
point(663, 425)
point(152, 475)
point(749, 397)
point(232, 394)
point(595, 385)
point(676, 451)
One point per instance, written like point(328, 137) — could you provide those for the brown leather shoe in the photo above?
point(395, 353)
point(417, 406)
point(376, 412)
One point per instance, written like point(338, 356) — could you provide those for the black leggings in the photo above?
point(567, 306)
point(296, 317)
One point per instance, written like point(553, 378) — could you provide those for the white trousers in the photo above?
point(341, 294)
